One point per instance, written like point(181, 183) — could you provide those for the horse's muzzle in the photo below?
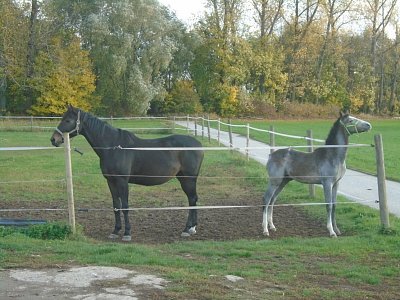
point(56, 139)
point(368, 126)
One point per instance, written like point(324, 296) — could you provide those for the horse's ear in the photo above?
point(344, 113)
point(70, 107)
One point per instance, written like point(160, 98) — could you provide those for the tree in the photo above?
point(394, 93)
point(268, 14)
point(131, 45)
point(300, 20)
point(182, 99)
point(63, 76)
point(221, 61)
point(333, 11)
point(32, 49)
point(267, 77)
point(13, 51)
point(378, 13)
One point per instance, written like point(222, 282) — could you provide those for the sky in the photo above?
point(189, 11)
point(186, 10)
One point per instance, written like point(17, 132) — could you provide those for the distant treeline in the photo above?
point(134, 57)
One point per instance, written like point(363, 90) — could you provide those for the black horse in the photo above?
point(122, 166)
point(324, 166)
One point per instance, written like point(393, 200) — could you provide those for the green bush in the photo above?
point(49, 231)
point(183, 99)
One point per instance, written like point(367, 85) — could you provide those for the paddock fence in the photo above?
point(201, 127)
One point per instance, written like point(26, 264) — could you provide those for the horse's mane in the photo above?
point(106, 132)
point(95, 123)
point(331, 139)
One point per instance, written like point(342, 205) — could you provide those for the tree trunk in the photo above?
point(30, 59)
point(3, 88)
point(393, 86)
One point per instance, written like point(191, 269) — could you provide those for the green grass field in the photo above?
point(354, 266)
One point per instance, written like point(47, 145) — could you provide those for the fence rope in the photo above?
point(178, 208)
point(168, 128)
point(32, 181)
point(27, 148)
point(206, 177)
point(118, 147)
point(225, 148)
point(263, 130)
point(80, 175)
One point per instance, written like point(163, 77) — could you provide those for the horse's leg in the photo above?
point(124, 194)
point(188, 185)
point(117, 206)
point(120, 192)
point(334, 194)
point(327, 185)
point(272, 202)
point(269, 194)
point(267, 198)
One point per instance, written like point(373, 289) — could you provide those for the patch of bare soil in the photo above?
point(159, 227)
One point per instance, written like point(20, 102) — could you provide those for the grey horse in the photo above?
point(324, 166)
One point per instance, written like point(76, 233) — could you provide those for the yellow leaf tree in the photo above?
point(62, 76)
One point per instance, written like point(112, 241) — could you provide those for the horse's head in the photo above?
point(353, 125)
point(70, 123)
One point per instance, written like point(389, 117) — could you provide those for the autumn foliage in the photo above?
point(63, 75)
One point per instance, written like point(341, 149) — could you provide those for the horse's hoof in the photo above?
point(333, 235)
point(185, 234)
point(126, 238)
point(113, 236)
point(266, 233)
point(192, 230)
point(189, 232)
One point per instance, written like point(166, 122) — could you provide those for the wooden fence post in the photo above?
point(381, 177)
point(219, 131)
point(173, 124)
point(311, 187)
point(247, 140)
point(208, 129)
point(271, 137)
point(70, 189)
point(195, 126)
point(230, 134)
point(187, 124)
point(202, 128)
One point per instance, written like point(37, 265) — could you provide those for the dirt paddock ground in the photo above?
point(159, 227)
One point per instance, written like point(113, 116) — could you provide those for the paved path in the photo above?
point(354, 185)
